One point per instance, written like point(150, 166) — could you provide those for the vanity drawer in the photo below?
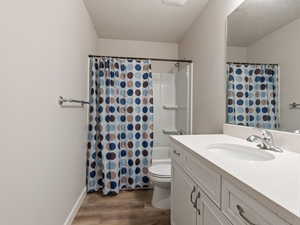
point(241, 209)
point(207, 178)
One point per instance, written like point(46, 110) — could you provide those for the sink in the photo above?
point(241, 152)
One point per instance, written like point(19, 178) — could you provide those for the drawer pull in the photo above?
point(192, 193)
point(196, 203)
point(241, 212)
point(176, 153)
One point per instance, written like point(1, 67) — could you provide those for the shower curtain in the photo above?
point(120, 138)
point(253, 95)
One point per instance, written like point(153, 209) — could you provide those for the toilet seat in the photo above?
point(160, 170)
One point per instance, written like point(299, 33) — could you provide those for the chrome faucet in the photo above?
point(265, 142)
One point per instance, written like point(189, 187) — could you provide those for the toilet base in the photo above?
point(161, 195)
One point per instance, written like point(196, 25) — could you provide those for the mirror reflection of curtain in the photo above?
point(252, 95)
point(120, 138)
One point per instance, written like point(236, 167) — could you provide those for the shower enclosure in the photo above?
point(173, 106)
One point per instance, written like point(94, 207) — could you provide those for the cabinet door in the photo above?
point(210, 214)
point(183, 193)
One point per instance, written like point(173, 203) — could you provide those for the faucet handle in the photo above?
point(267, 135)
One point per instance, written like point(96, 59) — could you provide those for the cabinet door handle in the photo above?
point(242, 212)
point(176, 153)
point(193, 191)
point(196, 203)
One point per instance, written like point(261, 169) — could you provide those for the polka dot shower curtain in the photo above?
point(120, 138)
point(252, 95)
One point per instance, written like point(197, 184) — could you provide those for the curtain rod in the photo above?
point(137, 58)
point(273, 64)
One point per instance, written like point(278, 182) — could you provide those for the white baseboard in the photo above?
point(76, 207)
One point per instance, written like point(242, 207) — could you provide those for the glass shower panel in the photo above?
point(183, 98)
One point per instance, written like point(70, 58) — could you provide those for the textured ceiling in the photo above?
point(145, 20)
point(254, 19)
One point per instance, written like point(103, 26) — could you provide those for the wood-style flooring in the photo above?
point(127, 208)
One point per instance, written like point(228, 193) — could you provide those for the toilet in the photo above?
point(160, 176)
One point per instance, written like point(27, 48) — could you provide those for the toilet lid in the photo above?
point(161, 170)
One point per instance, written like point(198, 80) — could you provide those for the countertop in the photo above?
point(277, 179)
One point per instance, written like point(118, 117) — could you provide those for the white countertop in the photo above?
point(277, 179)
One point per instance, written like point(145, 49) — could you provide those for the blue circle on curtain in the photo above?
point(123, 135)
point(137, 101)
point(113, 185)
point(151, 109)
point(230, 109)
point(151, 144)
point(240, 118)
point(239, 86)
point(145, 75)
point(130, 162)
point(231, 78)
point(101, 73)
point(137, 153)
point(130, 92)
point(100, 109)
point(251, 118)
point(137, 135)
point(112, 146)
point(145, 144)
point(137, 170)
point(264, 110)
point(123, 67)
point(123, 153)
point(240, 102)
point(112, 109)
point(123, 118)
point(123, 84)
point(257, 79)
point(145, 109)
point(251, 102)
point(138, 84)
point(130, 127)
point(238, 71)
point(262, 79)
point(137, 118)
point(123, 170)
point(146, 179)
point(271, 79)
point(138, 67)
point(93, 173)
point(123, 101)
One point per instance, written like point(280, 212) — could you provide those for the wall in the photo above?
point(44, 47)
point(126, 48)
point(236, 54)
point(282, 47)
point(205, 43)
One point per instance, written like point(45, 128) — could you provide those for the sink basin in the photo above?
point(241, 152)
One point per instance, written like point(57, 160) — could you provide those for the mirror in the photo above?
point(263, 65)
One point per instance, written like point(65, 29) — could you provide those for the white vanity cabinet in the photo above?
point(200, 195)
point(189, 204)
